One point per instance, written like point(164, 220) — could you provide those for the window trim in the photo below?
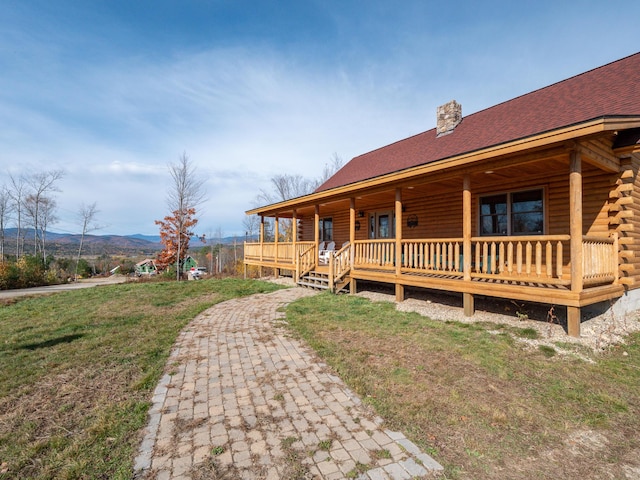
point(509, 194)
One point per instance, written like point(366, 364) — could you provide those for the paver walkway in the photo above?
point(244, 400)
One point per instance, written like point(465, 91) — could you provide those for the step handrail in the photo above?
point(339, 265)
point(306, 261)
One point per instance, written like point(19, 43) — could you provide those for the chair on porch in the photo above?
point(325, 253)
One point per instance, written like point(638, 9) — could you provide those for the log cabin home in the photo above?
point(534, 199)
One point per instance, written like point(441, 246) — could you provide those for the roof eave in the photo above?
point(563, 134)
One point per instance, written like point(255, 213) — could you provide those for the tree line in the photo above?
point(28, 204)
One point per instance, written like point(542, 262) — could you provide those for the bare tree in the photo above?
point(42, 213)
point(41, 185)
point(86, 215)
point(250, 224)
point(46, 218)
point(286, 187)
point(17, 194)
point(184, 196)
point(5, 212)
point(329, 170)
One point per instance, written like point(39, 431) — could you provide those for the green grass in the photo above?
point(480, 402)
point(77, 370)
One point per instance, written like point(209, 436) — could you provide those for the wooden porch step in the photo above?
point(320, 281)
point(315, 280)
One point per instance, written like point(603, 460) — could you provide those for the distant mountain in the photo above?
point(65, 244)
point(148, 238)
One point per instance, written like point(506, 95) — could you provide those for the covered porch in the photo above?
point(430, 230)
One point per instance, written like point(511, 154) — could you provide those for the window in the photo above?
point(326, 229)
point(515, 213)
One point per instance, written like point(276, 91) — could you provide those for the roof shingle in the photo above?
point(612, 90)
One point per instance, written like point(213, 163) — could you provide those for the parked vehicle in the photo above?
point(198, 272)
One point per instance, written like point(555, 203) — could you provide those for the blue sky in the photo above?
point(114, 91)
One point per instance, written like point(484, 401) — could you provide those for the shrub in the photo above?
point(32, 273)
point(9, 275)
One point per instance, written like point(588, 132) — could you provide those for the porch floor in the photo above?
point(557, 294)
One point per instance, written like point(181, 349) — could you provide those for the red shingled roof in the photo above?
point(608, 91)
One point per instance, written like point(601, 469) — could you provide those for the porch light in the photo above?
point(361, 213)
point(412, 221)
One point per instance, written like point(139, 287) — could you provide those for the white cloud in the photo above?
point(246, 111)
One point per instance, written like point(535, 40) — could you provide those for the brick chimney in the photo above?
point(449, 116)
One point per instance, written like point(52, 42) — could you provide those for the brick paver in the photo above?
point(244, 398)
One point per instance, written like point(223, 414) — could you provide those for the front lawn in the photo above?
point(482, 403)
point(77, 370)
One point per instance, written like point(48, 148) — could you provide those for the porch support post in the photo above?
point(294, 240)
point(399, 287)
point(294, 227)
point(261, 238)
point(261, 245)
point(575, 217)
point(467, 298)
point(352, 240)
point(276, 233)
point(316, 232)
point(352, 223)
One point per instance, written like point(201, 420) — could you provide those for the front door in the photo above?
point(381, 225)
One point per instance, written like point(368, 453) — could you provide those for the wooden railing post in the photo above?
point(332, 262)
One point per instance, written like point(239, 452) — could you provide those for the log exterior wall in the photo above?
point(624, 217)
point(440, 215)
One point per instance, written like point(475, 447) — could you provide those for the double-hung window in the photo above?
point(512, 213)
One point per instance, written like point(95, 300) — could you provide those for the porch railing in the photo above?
point(443, 255)
point(543, 259)
point(537, 258)
point(600, 259)
point(272, 252)
point(380, 254)
point(252, 251)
